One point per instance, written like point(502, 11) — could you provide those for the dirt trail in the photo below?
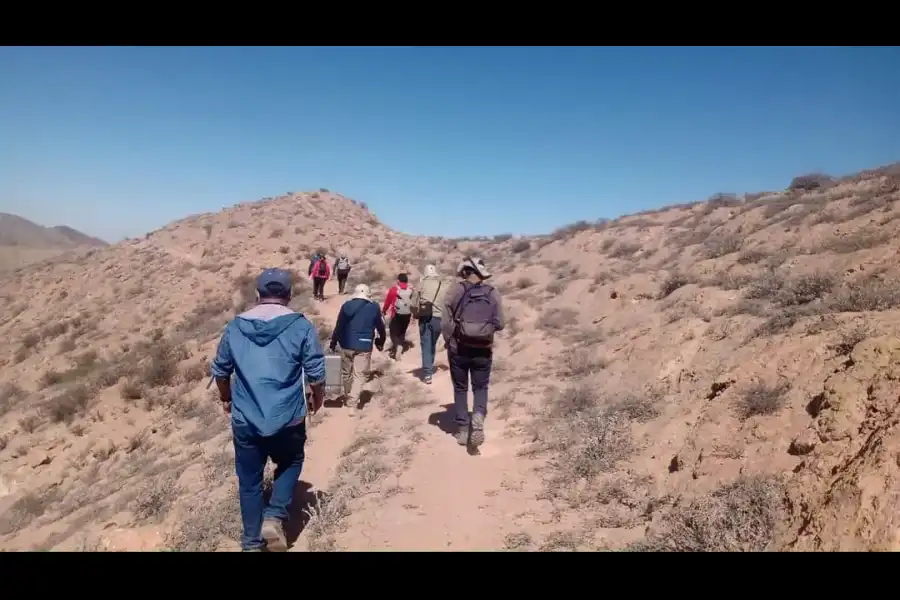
point(450, 497)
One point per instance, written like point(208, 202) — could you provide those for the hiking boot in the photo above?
point(427, 379)
point(462, 435)
point(477, 437)
point(273, 533)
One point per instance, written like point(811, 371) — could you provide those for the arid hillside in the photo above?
point(23, 242)
point(714, 376)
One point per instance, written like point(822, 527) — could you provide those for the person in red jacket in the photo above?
point(320, 273)
point(398, 303)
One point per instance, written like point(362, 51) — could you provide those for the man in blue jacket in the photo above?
point(357, 323)
point(270, 350)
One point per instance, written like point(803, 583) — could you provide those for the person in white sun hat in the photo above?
point(357, 323)
point(472, 313)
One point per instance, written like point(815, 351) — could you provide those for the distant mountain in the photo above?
point(20, 232)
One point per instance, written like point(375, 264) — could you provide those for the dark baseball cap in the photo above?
point(274, 283)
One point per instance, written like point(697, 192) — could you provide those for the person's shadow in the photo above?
point(305, 499)
point(444, 420)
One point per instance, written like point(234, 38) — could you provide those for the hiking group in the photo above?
point(320, 272)
point(279, 367)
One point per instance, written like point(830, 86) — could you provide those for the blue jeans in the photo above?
point(251, 451)
point(429, 332)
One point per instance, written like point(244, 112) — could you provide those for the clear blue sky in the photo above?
point(440, 141)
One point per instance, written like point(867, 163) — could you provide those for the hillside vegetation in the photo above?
point(715, 376)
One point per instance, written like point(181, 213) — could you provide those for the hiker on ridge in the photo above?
point(398, 302)
point(427, 303)
point(272, 349)
point(321, 272)
point(472, 311)
point(357, 323)
point(342, 268)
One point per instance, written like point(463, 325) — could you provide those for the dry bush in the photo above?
point(162, 365)
point(520, 246)
point(582, 363)
point(779, 290)
point(721, 245)
point(624, 250)
point(371, 276)
point(869, 294)
point(741, 516)
point(524, 282)
point(557, 319)
point(70, 404)
point(761, 399)
point(584, 435)
point(29, 507)
point(751, 256)
point(849, 339)
point(10, 395)
point(673, 282)
point(860, 240)
point(156, 498)
point(362, 467)
point(811, 182)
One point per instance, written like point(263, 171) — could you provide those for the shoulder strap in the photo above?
point(459, 305)
point(437, 291)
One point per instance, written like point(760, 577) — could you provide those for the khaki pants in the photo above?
point(356, 368)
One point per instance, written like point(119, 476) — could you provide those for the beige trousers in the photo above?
point(356, 369)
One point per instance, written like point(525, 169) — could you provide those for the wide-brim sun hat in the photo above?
point(362, 291)
point(476, 264)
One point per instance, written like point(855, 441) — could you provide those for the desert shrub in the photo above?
point(810, 182)
point(778, 289)
point(372, 275)
point(556, 319)
point(721, 245)
point(761, 399)
point(673, 282)
point(741, 516)
point(69, 404)
point(752, 256)
point(524, 282)
point(723, 201)
point(624, 250)
point(869, 294)
point(520, 246)
point(860, 240)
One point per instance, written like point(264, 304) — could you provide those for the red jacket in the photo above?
point(390, 300)
point(315, 271)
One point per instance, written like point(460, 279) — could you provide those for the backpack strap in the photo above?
point(437, 291)
point(460, 305)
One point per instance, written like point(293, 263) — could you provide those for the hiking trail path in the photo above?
point(447, 498)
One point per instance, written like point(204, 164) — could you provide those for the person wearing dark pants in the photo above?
point(342, 280)
point(276, 354)
point(319, 288)
point(470, 365)
point(342, 269)
point(321, 272)
point(251, 450)
point(473, 312)
point(398, 308)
